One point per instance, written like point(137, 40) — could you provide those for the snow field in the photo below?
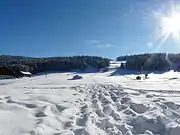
point(98, 104)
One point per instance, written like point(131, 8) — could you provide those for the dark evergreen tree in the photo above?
point(154, 61)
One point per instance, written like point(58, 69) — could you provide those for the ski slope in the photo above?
point(99, 104)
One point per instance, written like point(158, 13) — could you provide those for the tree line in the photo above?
point(37, 65)
point(151, 61)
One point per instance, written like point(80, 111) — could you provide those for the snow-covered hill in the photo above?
point(98, 104)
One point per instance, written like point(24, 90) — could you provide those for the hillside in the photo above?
point(37, 65)
point(152, 61)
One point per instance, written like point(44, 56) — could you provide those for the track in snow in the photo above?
point(113, 110)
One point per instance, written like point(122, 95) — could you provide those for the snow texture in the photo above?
point(98, 104)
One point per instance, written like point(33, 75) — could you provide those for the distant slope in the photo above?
point(152, 61)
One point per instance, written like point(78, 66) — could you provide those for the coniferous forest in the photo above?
point(139, 62)
point(37, 65)
point(151, 61)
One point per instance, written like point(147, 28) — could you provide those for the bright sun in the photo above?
point(170, 25)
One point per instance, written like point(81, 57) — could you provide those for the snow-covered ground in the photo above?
point(98, 104)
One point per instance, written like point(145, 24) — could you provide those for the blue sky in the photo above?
point(108, 28)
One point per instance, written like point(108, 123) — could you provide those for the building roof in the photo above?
point(26, 73)
point(5, 67)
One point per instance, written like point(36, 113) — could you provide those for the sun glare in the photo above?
point(170, 25)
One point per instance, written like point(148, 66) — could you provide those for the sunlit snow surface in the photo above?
point(98, 104)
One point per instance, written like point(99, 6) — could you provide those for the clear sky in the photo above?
point(107, 28)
